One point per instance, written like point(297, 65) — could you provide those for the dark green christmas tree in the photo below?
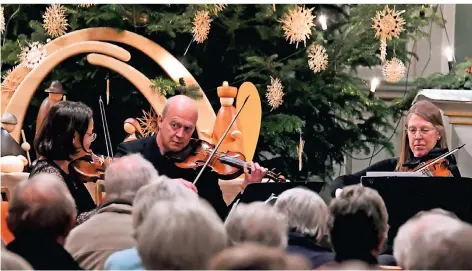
point(329, 108)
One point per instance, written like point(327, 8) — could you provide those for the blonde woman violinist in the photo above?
point(424, 139)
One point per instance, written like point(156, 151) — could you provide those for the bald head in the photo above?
point(177, 123)
point(126, 175)
point(42, 204)
point(180, 104)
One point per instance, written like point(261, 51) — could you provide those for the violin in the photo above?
point(228, 165)
point(437, 167)
point(90, 167)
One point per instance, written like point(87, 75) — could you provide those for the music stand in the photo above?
point(262, 191)
point(406, 196)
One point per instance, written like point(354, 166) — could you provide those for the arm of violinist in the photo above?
point(351, 179)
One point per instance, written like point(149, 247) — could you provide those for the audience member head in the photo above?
point(126, 175)
point(306, 212)
point(75, 120)
point(253, 256)
point(257, 222)
point(163, 188)
point(42, 206)
point(434, 240)
point(178, 235)
point(358, 223)
point(12, 261)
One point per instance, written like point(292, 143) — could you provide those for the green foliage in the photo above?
point(166, 87)
point(245, 43)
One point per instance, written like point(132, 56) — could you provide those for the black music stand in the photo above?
point(406, 196)
point(262, 191)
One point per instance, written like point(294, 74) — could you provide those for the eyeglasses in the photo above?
point(423, 131)
point(93, 136)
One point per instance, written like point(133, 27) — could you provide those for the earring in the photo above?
point(439, 138)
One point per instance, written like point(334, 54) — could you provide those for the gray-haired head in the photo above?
point(126, 175)
point(257, 222)
point(41, 205)
point(180, 235)
point(306, 212)
point(163, 188)
point(429, 241)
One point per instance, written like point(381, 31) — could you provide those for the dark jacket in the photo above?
point(208, 186)
point(43, 253)
point(306, 246)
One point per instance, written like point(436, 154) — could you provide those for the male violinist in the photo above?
point(176, 125)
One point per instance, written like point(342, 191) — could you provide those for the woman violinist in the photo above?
point(65, 136)
point(424, 139)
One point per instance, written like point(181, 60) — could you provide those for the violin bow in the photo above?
point(105, 128)
point(220, 141)
point(439, 158)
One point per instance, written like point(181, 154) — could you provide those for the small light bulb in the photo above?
point(449, 53)
point(373, 84)
point(323, 22)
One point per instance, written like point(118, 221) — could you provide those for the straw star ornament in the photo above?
point(393, 70)
point(275, 93)
point(32, 55)
point(201, 26)
point(297, 24)
point(55, 22)
point(10, 82)
point(388, 24)
point(148, 123)
point(217, 8)
point(317, 58)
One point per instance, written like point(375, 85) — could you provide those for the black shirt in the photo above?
point(43, 253)
point(207, 185)
point(83, 199)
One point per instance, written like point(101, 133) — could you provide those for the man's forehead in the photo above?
point(182, 121)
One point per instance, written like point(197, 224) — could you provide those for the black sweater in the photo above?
point(208, 186)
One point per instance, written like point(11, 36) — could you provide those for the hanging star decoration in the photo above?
point(275, 93)
point(393, 70)
point(10, 81)
point(317, 58)
point(148, 123)
point(32, 55)
point(217, 8)
point(2, 20)
point(388, 24)
point(201, 26)
point(300, 147)
point(297, 24)
point(55, 22)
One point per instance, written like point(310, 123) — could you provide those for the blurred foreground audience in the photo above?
point(307, 216)
point(254, 256)
point(41, 214)
point(92, 242)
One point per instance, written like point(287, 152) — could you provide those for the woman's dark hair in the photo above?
point(57, 132)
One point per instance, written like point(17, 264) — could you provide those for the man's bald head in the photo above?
point(180, 103)
point(177, 123)
point(42, 204)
